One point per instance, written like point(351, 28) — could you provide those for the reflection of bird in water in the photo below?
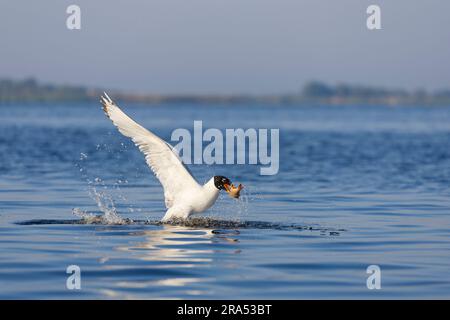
point(183, 194)
point(180, 252)
point(181, 244)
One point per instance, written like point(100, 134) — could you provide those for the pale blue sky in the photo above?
point(232, 46)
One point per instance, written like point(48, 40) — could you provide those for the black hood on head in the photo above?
point(219, 182)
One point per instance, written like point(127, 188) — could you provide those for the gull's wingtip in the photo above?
point(105, 101)
point(107, 97)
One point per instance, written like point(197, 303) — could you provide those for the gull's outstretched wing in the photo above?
point(159, 155)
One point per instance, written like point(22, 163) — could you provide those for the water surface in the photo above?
point(356, 187)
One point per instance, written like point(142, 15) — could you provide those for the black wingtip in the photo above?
point(104, 103)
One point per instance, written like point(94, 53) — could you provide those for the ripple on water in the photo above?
point(197, 222)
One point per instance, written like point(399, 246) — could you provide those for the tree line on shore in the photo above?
point(313, 93)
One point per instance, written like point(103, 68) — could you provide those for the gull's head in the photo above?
point(221, 182)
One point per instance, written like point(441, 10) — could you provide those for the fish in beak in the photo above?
point(223, 183)
point(234, 192)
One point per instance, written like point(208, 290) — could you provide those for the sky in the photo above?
point(226, 46)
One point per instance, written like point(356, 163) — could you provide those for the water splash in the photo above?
point(106, 205)
point(243, 202)
point(103, 193)
point(90, 218)
point(82, 214)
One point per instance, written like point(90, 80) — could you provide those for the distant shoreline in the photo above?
point(313, 93)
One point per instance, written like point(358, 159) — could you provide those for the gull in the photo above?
point(183, 195)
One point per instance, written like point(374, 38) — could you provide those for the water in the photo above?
point(356, 187)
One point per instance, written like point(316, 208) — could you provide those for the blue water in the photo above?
point(356, 187)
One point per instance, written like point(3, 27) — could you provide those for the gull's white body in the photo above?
point(183, 194)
